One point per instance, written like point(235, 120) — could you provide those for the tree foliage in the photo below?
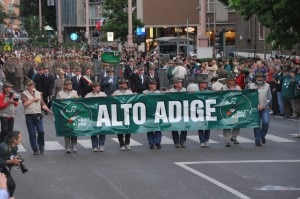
point(3, 15)
point(29, 9)
point(116, 19)
point(282, 17)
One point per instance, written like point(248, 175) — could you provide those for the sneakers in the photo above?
point(177, 146)
point(227, 144)
point(127, 147)
point(202, 144)
point(36, 153)
point(234, 141)
point(151, 147)
point(207, 143)
point(297, 135)
point(257, 144)
point(95, 150)
point(74, 149)
point(101, 148)
point(42, 151)
point(122, 148)
point(68, 151)
point(182, 145)
point(263, 140)
point(158, 146)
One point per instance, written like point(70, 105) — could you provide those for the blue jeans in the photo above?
point(280, 102)
point(179, 139)
point(97, 140)
point(261, 132)
point(35, 126)
point(154, 138)
point(203, 135)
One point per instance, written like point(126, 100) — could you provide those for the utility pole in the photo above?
point(87, 24)
point(130, 44)
point(40, 14)
point(60, 38)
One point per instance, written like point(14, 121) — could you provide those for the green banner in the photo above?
point(156, 112)
point(111, 57)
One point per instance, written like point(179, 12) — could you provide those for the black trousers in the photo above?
point(121, 139)
point(7, 125)
point(11, 185)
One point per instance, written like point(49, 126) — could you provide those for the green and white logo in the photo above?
point(76, 116)
point(235, 108)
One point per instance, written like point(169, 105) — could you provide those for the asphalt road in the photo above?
point(241, 171)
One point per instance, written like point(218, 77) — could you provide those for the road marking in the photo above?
point(53, 145)
point(196, 139)
point(218, 183)
point(166, 140)
point(21, 148)
point(275, 138)
point(277, 188)
point(132, 142)
point(85, 143)
point(242, 139)
point(241, 162)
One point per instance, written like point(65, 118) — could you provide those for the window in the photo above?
point(246, 27)
point(262, 30)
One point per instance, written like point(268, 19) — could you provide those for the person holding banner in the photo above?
point(85, 83)
point(179, 141)
point(230, 134)
point(123, 90)
point(154, 138)
point(264, 99)
point(203, 134)
point(67, 93)
point(97, 141)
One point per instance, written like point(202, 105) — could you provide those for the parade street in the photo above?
point(239, 171)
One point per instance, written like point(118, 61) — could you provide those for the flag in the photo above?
point(98, 25)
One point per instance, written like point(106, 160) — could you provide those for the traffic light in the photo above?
point(219, 40)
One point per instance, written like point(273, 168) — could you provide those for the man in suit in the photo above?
point(153, 75)
point(109, 83)
point(75, 79)
point(103, 73)
point(139, 81)
point(47, 82)
point(85, 83)
point(129, 70)
point(67, 70)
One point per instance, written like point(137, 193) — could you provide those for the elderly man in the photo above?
point(33, 104)
point(264, 100)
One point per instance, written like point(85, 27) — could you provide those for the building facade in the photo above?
point(180, 18)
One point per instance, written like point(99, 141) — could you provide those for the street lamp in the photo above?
point(40, 14)
point(130, 36)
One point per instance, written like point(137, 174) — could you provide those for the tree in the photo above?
point(282, 17)
point(116, 19)
point(30, 9)
point(3, 15)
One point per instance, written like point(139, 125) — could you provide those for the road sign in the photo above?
point(74, 36)
point(8, 47)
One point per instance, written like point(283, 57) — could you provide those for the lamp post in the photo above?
point(40, 14)
point(130, 36)
point(60, 39)
point(87, 18)
point(202, 38)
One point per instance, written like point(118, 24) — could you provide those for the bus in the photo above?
point(175, 46)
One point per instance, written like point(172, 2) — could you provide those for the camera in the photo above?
point(11, 94)
point(23, 167)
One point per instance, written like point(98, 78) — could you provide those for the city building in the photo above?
point(180, 18)
point(12, 10)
